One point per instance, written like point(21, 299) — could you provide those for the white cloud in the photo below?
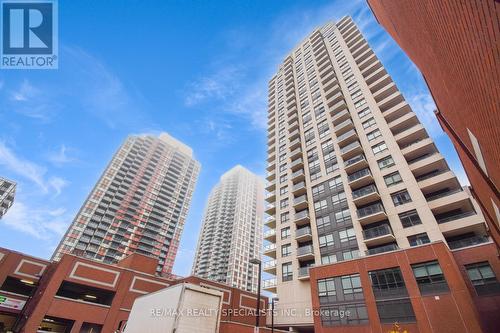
point(30, 170)
point(40, 223)
point(423, 105)
point(60, 156)
point(32, 102)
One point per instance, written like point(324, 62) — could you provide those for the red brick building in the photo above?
point(81, 295)
point(455, 46)
point(423, 289)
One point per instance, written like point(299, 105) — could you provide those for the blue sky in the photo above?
point(195, 69)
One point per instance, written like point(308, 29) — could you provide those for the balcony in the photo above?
point(445, 218)
point(339, 106)
point(415, 148)
point(360, 178)
point(270, 186)
point(297, 164)
point(466, 241)
point(296, 153)
point(396, 111)
point(298, 176)
point(299, 188)
point(344, 127)
point(302, 217)
point(411, 134)
point(305, 252)
point(269, 285)
point(347, 137)
point(294, 135)
point(292, 127)
point(271, 196)
point(378, 235)
point(270, 222)
point(340, 117)
point(271, 175)
point(303, 234)
point(295, 144)
point(365, 195)
point(270, 209)
point(300, 203)
point(355, 163)
point(270, 250)
point(381, 249)
point(352, 149)
point(270, 235)
point(303, 273)
point(372, 213)
point(269, 267)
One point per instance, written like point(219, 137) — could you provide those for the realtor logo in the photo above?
point(29, 34)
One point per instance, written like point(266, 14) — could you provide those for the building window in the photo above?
point(409, 218)
point(388, 283)
point(318, 189)
point(393, 179)
point(284, 190)
point(373, 135)
point(284, 217)
point(326, 291)
point(400, 198)
point(322, 222)
point(284, 203)
point(393, 311)
point(286, 250)
point(283, 178)
point(385, 162)
point(358, 315)
point(286, 272)
point(343, 216)
point(338, 197)
point(328, 259)
point(320, 205)
point(326, 240)
point(347, 235)
point(369, 123)
point(419, 239)
point(378, 148)
point(285, 233)
point(85, 293)
point(483, 279)
point(335, 182)
point(366, 111)
point(351, 284)
point(430, 278)
point(350, 254)
point(55, 324)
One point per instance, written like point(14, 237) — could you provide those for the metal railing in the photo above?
point(373, 209)
point(343, 124)
point(270, 247)
point(455, 217)
point(270, 233)
point(302, 214)
point(470, 241)
point(364, 191)
point(430, 174)
point(304, 271)
point(422, 157)
point(346, 135)
point(269, 264)
point(300, 199)
point(296, 162)
point(269, 283)
point(303, 250)
point(303, 231)
point(354, 159)
point(378, 231)
point(359, 174)
point(300, 185)
point(298, 173)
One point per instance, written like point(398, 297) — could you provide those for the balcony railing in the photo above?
point(304, 271)
point(470, 241)
point(422, 157)
point(364, 191)
point(382, 249)
point(270, 233)
point(298, 173)
point(269, 283)
point(430, 174)
point(269, 264)
point(302, 214)
point(270, 247)
point(349, 147)
point(296, 162)
point(378, 231)
point(300, 199)
point(303, 250)
point(303, 231)
point(343, 124)
point(298, 186)
point(346, 135)
point(354, 159)
point(442, 194)
point(455, 217)
point(359, 174)
point(370, 210)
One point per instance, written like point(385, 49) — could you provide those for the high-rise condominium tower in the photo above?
point(138, 205)
point(351, 170)
point(231, 234)
point(7, 194)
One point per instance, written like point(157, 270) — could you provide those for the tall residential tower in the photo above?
point(139, 204)
point(231, 234)
point(352, 172)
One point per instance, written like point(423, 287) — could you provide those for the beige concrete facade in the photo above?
point(335, 118)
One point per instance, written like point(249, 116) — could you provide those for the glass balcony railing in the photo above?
point(370, 210)
point(354, 160)
point(270, 233)
point(302, 214)
point(298, 186)
point(454, 217)
point(442, 194)
point(270, 247)
point(304, 271)
point(378, 231)
point(343, 124)
point(346, 135)
point(469, 241)
point(296, 162)
point(364, 191)
point(359, 174)
point(303, 231)
point(300, 199)
point(303, 250)
point(382, 249)
point(349, 147)
point(298, 173)
point(430, 174)
point(269, 283)
point(269, 264)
